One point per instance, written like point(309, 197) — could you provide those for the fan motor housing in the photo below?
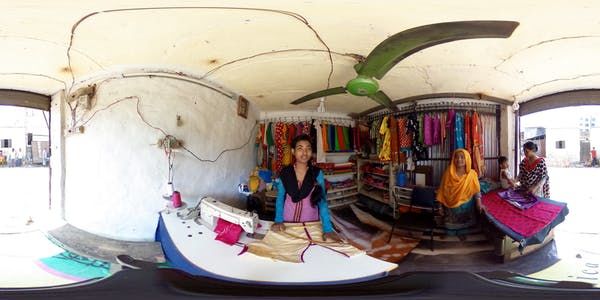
point(362, 86)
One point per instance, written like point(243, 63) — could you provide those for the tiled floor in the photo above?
point(575, 254)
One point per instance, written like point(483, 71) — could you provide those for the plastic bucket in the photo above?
point(400, 178)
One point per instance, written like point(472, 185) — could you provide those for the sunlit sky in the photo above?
point(567, 117)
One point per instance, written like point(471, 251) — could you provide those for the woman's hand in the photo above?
point(331, 236)
point(278, 227)
point(479, 205)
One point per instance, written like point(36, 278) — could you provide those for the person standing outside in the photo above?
point(594, 157)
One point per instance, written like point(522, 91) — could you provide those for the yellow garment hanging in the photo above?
point(287, 155)
point(455, 190)
point(386, 149)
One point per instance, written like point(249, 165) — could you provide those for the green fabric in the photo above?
point(346, 131)
point(336, 139)
point(270, 140)
point(76, 266)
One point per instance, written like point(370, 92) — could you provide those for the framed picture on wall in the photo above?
point(242, 108)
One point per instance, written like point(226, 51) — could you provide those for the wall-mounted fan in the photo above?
point(401, 45)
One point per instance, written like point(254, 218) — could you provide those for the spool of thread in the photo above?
point(176, 199)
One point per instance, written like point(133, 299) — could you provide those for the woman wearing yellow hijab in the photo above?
point(458, 189)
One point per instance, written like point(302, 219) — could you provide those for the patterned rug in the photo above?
point(374, 242)
point(74, 267)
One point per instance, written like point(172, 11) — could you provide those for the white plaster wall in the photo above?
point(562, 157)
point(115, 174)
point(57, 167)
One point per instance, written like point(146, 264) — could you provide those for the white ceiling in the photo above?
point(265, 51)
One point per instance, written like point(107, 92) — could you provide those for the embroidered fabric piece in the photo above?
point(291, 244)
point(227, 232)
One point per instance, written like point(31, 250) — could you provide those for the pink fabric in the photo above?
point(436, 130)
point(428, 130)
point(301, 211)
point(227, 232)
point(525, 222)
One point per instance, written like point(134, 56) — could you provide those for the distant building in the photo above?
point(25, 129)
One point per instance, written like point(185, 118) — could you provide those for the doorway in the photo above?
point(24, 167)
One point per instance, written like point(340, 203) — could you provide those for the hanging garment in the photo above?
point(352, 130)
point(394, 139)
point(269, 135)
point(419, 151)
point(306, 127)
point(436, 130)
point(324, 137)
point(347, 133)
point(259, 155)
point(443, 128)
point(320, 148)
point(450, 123)
point(333, 146)
point(340, 137)
point(336, 140)
point(459, 132)
point(476, 133)
point(468, 138)
point(291, 133)
point(404, 138)
point(384, 130)
point(299, 128)
point(260, 134)
point(287, 155)
point(279, 139)
point(427, 130)
point(378, 137)
point(421, 123)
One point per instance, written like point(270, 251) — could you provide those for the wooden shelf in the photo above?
point(342, 189)
point(373, 196)
point(342, 196)
point(375, 161)
point(345, 203)
point(377, 174)
point(377, 187)
point(338, 174)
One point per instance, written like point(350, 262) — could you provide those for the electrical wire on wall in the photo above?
point(168, 142)
point(222, 152)
point(291, 14)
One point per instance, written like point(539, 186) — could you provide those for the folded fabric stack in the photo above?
point(340, 184)
point(518, 198)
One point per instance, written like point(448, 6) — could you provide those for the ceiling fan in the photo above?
point(401, 45)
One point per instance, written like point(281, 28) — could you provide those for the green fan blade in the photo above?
point(399, 46)
point(383, 99)
point(319, 94)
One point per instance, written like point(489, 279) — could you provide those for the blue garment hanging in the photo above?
point(459, 132)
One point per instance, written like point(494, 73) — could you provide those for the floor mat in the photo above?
point(374, 243)
point(74, 267)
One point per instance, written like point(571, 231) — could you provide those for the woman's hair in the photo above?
point(302, 137)
point(531, 146)
point(502, 159)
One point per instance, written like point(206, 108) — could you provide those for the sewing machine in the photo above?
point(211, 210)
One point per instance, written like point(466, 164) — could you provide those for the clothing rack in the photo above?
point(485, 108)
point(346, 122)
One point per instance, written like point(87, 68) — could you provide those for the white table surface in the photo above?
point(320, 264)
